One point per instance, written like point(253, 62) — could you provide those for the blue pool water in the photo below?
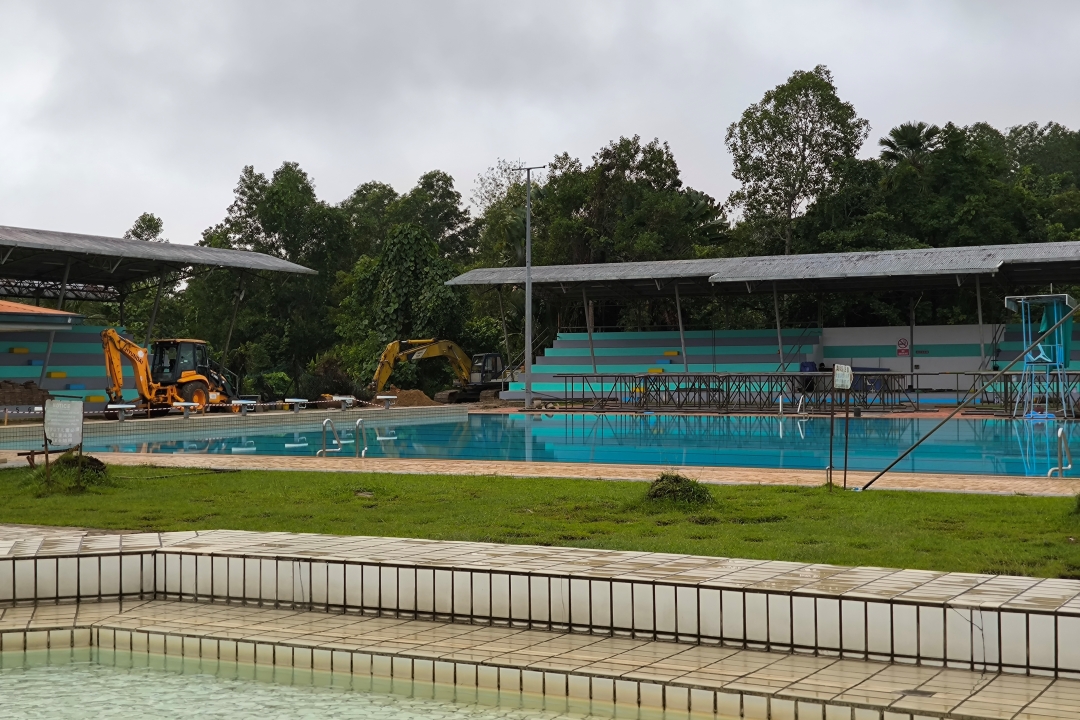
point(965, 446)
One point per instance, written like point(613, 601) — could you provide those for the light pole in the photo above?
point(528, 284)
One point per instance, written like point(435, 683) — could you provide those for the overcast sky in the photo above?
point(110, 109)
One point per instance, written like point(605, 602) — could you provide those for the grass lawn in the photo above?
point(970, 533)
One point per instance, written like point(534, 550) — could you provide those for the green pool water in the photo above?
point(92, 683)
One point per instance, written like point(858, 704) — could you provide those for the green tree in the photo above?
point(909, 142)
point(784, 149)
point(147, 227)
point(400, 294)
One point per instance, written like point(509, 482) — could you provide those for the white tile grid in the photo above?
point(767, 604)
point(681, 695)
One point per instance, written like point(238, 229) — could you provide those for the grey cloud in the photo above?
point(117, 108)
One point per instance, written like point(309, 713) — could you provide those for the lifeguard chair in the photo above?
point(1043, 383)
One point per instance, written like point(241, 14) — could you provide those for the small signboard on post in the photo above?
point(842, 377)
point(63, 423)
point(902, 349)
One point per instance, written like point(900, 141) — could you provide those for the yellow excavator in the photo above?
point(475, 375)
point(171, 371)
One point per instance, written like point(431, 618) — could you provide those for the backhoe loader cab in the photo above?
point(172, 358)
point(170, 371)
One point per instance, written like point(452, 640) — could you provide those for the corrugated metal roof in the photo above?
point(598, 272)
point(123, 258)
point(983, 259)
point(1036, 263)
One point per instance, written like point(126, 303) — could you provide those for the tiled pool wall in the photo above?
point(969, 634)
point(199, 427)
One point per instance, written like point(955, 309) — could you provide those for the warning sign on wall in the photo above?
point(902, 349)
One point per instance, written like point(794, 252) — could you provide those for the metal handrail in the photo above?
point(1063, 452)
point(359, 433)
point(324, 451)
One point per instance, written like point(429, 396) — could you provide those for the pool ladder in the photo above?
point(1063, 452)
point(359, 438)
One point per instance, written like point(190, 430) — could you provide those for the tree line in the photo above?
point(382, 256)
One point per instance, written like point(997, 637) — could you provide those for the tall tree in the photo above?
point(147, 227)
point(785, 147)
point(909, 142)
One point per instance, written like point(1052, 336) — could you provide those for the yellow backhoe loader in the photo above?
point(475, 375)
point(171, 371)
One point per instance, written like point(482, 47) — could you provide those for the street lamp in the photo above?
point(528, 283)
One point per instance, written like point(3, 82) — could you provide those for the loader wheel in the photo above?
point(196, 392)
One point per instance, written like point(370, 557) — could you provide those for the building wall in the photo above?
point(937, 348)
point(76, 354)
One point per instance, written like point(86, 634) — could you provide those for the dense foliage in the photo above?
point(382, 256)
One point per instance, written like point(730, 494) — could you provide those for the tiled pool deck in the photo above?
point(747, 638)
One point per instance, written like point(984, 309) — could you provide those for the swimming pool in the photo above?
point(974, 446)
point(99, 683)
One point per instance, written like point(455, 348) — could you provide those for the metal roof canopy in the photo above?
point(33, 262)
point(916, 269)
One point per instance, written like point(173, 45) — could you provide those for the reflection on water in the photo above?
point(95, 683)
point(966, 446)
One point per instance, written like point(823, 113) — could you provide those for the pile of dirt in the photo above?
point(27, 393)
point(411, 398)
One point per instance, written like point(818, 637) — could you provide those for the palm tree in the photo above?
point(910, 142)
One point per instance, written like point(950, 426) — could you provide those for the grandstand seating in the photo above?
point(748, 351)
point(938, 349)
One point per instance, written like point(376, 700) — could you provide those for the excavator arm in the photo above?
point(401, 350)
point(116, 346)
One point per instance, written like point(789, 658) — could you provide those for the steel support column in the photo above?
point(911, 338)
point(978, 306)
point(779, 334)
point(153, 312)
point(682, 335)
point(52, 333)
point(588, 327)
point(232, 323)
point(506, 336)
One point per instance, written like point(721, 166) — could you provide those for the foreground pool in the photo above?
point(92, 683)
point(977, 446)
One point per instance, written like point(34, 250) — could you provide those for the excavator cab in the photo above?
point(486, 368)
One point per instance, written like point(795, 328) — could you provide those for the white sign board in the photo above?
point(902, 349)
point(842, 377)
point(63, 422)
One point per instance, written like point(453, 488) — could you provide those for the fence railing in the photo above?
point(805, 392)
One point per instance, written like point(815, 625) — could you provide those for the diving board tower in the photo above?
point(1043, 383)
